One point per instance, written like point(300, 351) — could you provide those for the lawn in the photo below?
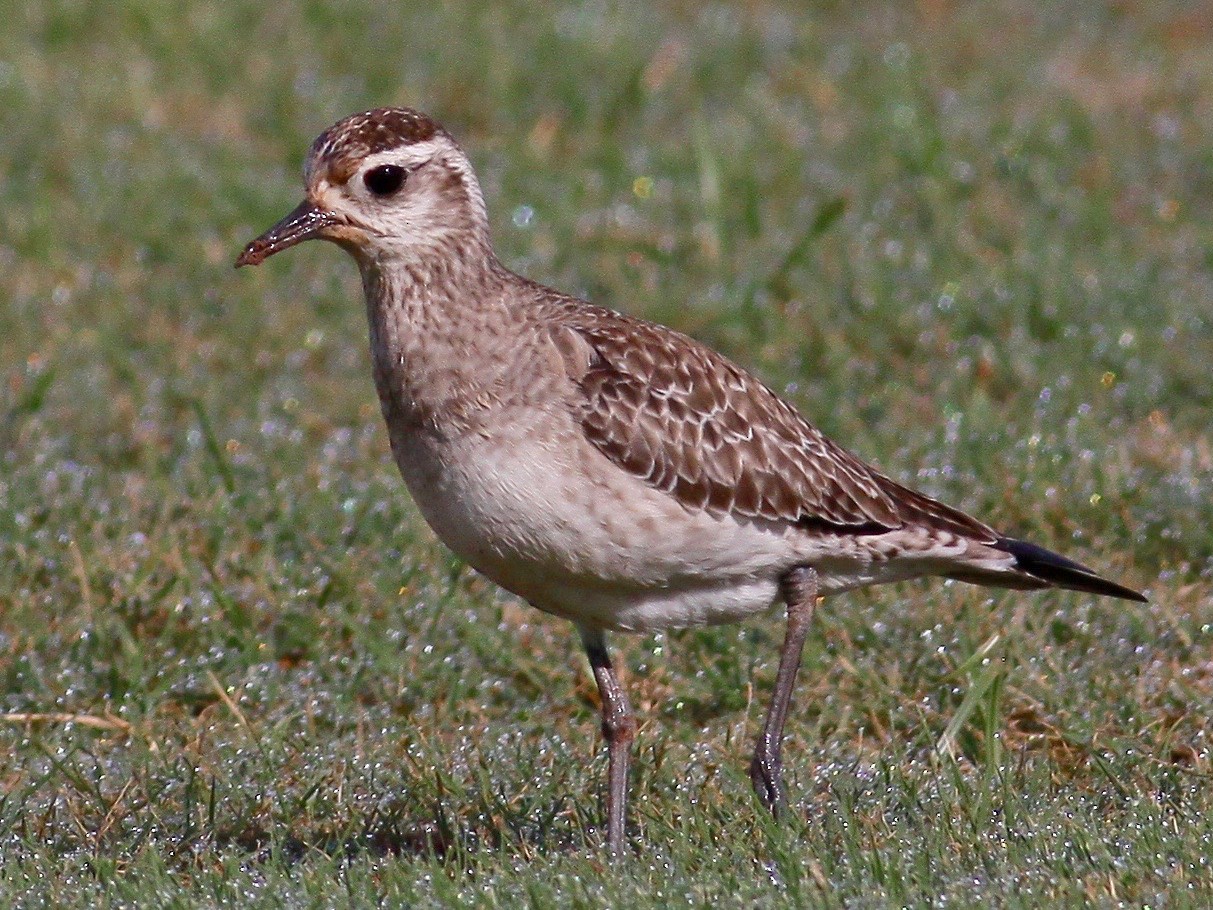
point(973, 242)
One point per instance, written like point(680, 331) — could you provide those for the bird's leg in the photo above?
point(799, 590)
point(618, 728)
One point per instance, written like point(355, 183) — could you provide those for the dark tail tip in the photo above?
point(1061, 572)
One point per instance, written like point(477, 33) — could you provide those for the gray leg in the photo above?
point(618, 728)
point(799, 589)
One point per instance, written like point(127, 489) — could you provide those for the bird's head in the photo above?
point(387, 184)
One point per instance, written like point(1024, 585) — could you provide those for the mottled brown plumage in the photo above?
point(345, 146)
point(609, 470)
point(691, 423)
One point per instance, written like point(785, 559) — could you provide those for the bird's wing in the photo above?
point(689, 422)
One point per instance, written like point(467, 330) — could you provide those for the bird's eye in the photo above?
point(385, 179)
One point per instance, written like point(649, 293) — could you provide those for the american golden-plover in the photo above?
point(603, 468)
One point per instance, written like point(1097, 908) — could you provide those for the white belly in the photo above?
point(566, 529)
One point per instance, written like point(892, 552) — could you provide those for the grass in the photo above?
point(971, 241)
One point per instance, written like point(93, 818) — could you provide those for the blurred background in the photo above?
point(970, 241)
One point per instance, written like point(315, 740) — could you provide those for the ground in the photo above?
point(970, 241)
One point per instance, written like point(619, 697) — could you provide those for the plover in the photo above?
point(606, 469)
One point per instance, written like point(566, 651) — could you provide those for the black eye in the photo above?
point(385, 179)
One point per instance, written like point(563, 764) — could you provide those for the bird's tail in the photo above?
point(1059, 572)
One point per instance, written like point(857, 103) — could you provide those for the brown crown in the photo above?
point(340, 148)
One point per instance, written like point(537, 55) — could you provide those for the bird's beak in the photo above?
point(304, 223)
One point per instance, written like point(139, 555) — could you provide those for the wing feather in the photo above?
point(689, 422)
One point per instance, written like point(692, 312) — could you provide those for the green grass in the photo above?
point(971, 241)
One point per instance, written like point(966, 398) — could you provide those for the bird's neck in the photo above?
point(431, 320)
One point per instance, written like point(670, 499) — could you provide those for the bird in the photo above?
point(606, 469)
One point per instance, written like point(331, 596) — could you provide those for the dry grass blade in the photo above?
point(105, 722)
